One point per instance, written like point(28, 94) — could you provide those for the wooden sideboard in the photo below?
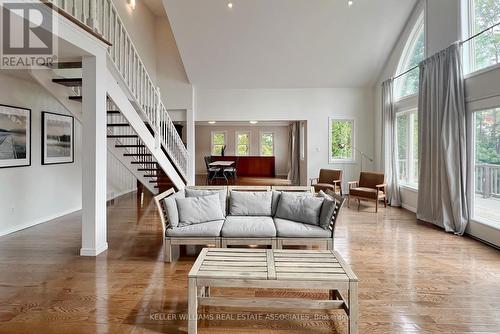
point(251, 165)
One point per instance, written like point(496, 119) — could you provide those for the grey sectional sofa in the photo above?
point(247, 215)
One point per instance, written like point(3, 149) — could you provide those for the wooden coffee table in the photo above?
point(272, 268)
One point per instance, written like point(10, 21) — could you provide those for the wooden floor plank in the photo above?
point(413, 278)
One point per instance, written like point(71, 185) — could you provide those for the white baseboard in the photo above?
point(409, 208)
point(93, 251)
point(38, 221)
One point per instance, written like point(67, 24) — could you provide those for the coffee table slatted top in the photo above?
point(271, 264)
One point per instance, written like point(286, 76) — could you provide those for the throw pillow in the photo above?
point(172, 214)
point(302, 209)
point(250, 203)
point(205, 192)
point(276, 198)
point(195, 210)
point(327, 209)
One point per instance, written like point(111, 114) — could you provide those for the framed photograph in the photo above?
point(341, 140)
point(15, 136)
point(57, 139)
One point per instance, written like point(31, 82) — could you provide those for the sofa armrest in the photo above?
point(314, 180)
point(381, 187)
point(335, 182)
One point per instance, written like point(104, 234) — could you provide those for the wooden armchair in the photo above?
point(371, 187)
point(329, 179)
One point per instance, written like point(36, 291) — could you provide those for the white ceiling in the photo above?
point(285, 43)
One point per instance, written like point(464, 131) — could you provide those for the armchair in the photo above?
point(371, 187)
point(329, 179)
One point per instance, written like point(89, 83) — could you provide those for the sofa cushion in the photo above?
point(196, 210)
point(327, 209)
point(292, 229)
point(363, 192)
point(248, 227)
point(250, 203)
point(277, 195)
point(205, 192)
point(170, 206)
point(208, 229)
point(302, 209)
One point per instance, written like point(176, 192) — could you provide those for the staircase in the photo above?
point(140, 132)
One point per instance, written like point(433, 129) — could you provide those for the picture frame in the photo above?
point(58, 139)
point(15, 136)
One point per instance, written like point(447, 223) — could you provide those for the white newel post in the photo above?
point(94, 240)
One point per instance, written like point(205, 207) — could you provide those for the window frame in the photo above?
point(468, 16)
point(261, 133)
point(350, 160)
point(410, 152)
point(212, 133)
point(237, 144)
point(409, 48)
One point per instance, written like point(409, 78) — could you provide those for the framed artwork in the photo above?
point(341, 140)
point(15, 136)
point(57, 139)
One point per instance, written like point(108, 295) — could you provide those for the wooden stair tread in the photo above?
point(66, 64)
point(68, 82)
point(129, 146)
point(123, 136)
point(118, 124)
point(78, 98)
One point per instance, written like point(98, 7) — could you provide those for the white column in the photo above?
point(190, 140)
point(94, 156)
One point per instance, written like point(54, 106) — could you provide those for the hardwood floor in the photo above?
point(414, 278)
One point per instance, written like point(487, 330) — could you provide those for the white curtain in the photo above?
point(294, 153)
point(389, 148)
point(442, 185)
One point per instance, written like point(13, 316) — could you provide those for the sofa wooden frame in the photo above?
point(171, 244)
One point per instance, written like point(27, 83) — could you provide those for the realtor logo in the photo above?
point(27, 35)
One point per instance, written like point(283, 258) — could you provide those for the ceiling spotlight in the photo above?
point(350, 3)
point(131, 3)
point(254, 122)
point(211, 122)
point(230, 5)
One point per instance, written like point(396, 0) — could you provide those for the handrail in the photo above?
point(102, 17)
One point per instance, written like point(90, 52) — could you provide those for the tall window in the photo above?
point(218, 142)
point(487, 166)
point(483, 50)
point(242, 143)
point(341, 144)
point(407, 146)
point(413, 54)
point(267, 143)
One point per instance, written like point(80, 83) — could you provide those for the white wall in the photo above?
point(36, 194)
point(177, 92)
point(140, 24)
point(314, 105)
point(281, 137)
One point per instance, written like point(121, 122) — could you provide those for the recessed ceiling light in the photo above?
point(131, 3)
point(254, 122)
point(211, 122)
point(230, 5)
point(350, 3)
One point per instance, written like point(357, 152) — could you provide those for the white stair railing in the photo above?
point(102, 17)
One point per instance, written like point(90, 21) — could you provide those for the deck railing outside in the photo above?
point(102, 17)
point(487, 180)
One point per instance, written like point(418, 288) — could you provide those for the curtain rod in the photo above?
point(461, 42)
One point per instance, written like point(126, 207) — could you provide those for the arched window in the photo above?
point(413, 54)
